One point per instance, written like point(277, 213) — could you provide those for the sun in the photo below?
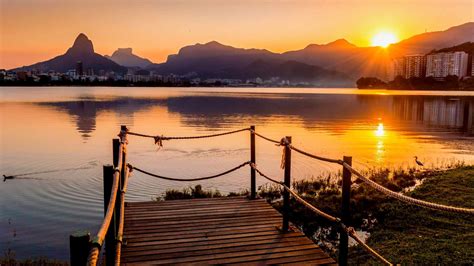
point(384, 39)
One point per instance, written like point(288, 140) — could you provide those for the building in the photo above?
point(409, 66)
point(415, 66)
point(472, 67)
point(79, 69)
point(398, 67)
point(440, 65)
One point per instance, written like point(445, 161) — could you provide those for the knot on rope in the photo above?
point(130, 167)
point(159, 140)
point(283, 142)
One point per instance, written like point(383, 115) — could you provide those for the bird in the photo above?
point(7, 177)
point(418, 162)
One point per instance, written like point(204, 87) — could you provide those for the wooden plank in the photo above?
point(200, 226)
point(207, 231)
point(243, 256)
point(209, 252)
point(268, 238)
point(212, 231)
point(202, 239)
point(216, 245)
point(176, 209)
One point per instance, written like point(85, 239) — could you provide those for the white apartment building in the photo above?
point(440, 65)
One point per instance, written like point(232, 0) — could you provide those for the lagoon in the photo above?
point(58, 138)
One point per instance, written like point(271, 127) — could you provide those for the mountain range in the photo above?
point(333, 64)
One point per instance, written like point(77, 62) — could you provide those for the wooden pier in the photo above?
point(230, 230)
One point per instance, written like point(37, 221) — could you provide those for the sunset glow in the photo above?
point(384, 39)
point(30, 31)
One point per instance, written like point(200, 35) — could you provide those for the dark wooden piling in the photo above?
point(253, 182)
point(286, 194)
point(79, 244)
point(110, 235)
point(345, 211)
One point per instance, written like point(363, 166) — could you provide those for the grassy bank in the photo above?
point(412, 235)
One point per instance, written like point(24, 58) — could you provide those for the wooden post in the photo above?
point(110, 235)
point(286, 194)
point(115, 147)
point(79, 245)
point(345, 211)
point(253, 182)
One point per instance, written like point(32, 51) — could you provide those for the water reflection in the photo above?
point(84, 112)
point(314, 111)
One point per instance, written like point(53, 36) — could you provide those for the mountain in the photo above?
point(343, 56)
point(125, 57)
point(215, 60)
point(374, 61)
point(82, 50)
point(425, 42)
point(210, 60)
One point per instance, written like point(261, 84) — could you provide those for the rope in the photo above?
point(405, 198)
point(351, 232)
point(316, 156)
point(159, 139)
point(319, 212)
point(190, 179)
point(99, 239)
point(253, 166)
point(263, 137)
point(121, 219)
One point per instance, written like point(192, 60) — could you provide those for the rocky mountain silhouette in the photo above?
point(125, 57)
point(82, 50)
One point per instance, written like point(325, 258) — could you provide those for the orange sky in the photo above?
point(36, 30)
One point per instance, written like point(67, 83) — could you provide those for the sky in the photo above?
point(37, 30)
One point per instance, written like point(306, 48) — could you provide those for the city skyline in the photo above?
point(155, 29)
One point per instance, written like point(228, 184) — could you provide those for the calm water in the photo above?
point(60, 138)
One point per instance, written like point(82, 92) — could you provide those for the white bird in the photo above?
point(418, 162)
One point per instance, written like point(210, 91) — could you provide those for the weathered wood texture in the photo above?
point(213, 231)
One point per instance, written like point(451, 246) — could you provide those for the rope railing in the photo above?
point(159, 138)
point(99, 239)
point(263, 137)
point(329, 160)
point(353, 235)
point(405, 198)
point(124, 169)
point(327, 216)
point(189, 179)
point(119, 237)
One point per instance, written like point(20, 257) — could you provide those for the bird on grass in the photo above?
point(418, 161)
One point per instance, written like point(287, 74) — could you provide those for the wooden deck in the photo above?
point(213, 231)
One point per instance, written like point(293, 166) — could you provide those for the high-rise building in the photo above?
point(415, 66)
point(398, 67)
point(440, 65)
point(409, 66)
point(79, 68)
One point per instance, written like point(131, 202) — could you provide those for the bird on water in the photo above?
point(418, 161)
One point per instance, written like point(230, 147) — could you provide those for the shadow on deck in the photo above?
point(213, 231)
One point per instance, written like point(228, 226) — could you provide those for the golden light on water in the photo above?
point(384, 39)
point(380, 130)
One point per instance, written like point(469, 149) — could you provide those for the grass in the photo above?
point(409, 234)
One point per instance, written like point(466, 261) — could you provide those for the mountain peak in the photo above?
point(341, 43)
point(124, 51)
point(82, 44)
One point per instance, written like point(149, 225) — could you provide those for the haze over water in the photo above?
point(62, 136)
